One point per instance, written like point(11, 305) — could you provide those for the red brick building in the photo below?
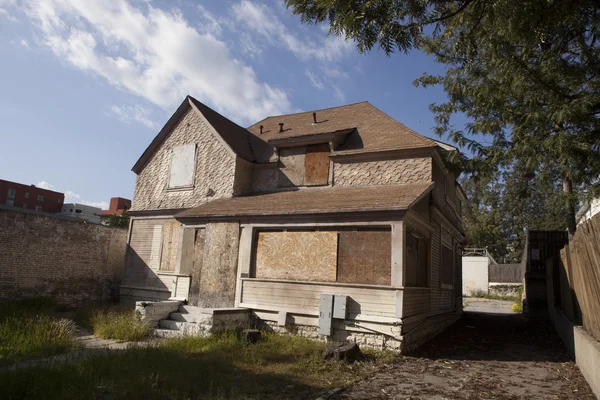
point(30, 197)
point(118, 206)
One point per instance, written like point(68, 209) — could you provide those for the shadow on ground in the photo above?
point(482, 356)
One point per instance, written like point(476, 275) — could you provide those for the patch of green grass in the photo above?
point(481, 294)
point(29, 337)
point(114, 323)
point(517, 307)
point(221, 367)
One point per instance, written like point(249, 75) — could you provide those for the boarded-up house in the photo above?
point(344, 201)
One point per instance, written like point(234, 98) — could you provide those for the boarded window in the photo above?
point(183, 163)
point(297, 256)
point(447, 275)
point(365, 257)
point(316, 165)
point(417, 261)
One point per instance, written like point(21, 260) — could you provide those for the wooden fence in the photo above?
point(574, 279)
point(506, 273)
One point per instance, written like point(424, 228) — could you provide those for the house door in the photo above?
point(191, 260)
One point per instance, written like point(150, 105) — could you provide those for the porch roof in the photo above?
point(314, 201)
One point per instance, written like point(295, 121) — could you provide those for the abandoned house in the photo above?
point(340, 222)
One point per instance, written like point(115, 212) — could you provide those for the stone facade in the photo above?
point(71, 262)
point(364, 340)
point(219, 265)
point(385, 172)
point(214, 175)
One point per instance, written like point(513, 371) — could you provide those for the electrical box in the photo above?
point(325, 314)
point(339, 306)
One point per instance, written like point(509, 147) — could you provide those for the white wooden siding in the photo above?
point(143, 254)
point(303, 298)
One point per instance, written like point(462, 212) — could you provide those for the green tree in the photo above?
point(507, 204)
point(120, 221)
point(526, 74)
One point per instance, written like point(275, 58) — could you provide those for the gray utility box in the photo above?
point(330, 307)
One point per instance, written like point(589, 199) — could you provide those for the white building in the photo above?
point(475, 270)
point(81, 211)
point(588, 210)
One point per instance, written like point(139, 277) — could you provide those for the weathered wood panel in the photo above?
point(579, 274)
point(365, 257)
point(170, 242)
point(305, 297)
point(196, 271)
point(307, 256)
point(316, 165)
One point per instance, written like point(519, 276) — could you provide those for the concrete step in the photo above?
point(184, 309)
point(188, 317)
point(176, 325)
point(167, 333)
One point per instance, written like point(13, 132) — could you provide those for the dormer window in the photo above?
point(183, 163)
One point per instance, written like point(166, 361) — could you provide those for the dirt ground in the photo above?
point(491, 353)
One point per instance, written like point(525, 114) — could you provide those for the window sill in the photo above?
point(180, 189)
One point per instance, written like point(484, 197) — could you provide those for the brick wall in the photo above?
point(70, 261)
point(386, 172)
point(214, 175)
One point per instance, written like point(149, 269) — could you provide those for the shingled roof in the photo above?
point(371, 130)
point(375, 130)
point(312, 201)
point(241, 142)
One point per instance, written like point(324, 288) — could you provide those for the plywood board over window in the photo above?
point(170, 242)
point(183, 164)
point(297, 256)
point(316, 165)
point(365, 257)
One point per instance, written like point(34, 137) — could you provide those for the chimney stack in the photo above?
point(314, 118)
point(261, 128)
point(280, 127)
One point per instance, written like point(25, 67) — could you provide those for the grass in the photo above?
point(28, 330)
point(281, 367)
point(482, 294)
point(114, 323)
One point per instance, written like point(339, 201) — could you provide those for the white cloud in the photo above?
point(128, 114)
point(334, 72)
point(24, 43)
point(4, 12)
point(154, 54)
point(262, 20)
point(314, 80)
point(72, 197)
point(45, 185)
point(338, 93)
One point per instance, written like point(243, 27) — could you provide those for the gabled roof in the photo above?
point(240, 141)
point(314, 201)
point(371, 130)
point(375, 130)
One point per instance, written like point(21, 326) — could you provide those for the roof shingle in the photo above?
point(314, 201)
point(375, 130)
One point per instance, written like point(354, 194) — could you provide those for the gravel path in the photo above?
point(491, 353)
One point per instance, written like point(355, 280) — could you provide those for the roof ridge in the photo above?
point(302, 112)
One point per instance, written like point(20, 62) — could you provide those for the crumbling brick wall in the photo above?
point(72, 262)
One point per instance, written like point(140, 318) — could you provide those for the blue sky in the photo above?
point(86, 85)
